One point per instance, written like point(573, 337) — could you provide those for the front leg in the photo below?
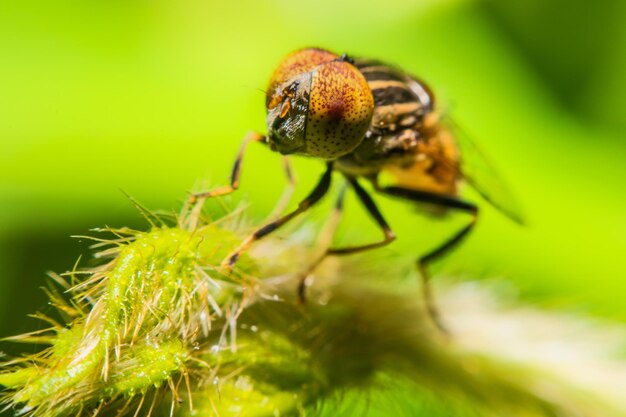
point(316, 195)
point(236, 171)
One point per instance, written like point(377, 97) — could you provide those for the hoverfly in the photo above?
point(363, 118)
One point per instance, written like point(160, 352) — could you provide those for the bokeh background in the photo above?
point(150, 98)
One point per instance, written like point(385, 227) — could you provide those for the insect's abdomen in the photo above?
point(434, 166)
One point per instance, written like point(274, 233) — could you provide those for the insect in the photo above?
point(363, 118)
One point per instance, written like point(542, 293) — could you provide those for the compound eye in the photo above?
point(340, 110)
point(291, 67)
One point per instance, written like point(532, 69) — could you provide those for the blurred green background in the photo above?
point(150, 97)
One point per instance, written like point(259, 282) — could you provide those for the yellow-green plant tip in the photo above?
point(66, 341)
point(142, 313)
point(144, 367)
point(17, 378)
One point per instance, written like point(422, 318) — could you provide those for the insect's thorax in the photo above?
point(404, 137)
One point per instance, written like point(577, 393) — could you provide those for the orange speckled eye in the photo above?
point(341, 106)
point(294, 64)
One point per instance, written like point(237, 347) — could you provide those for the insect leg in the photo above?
point(236, 171)
point(371, 208)
point(424, 261)
point(324, 241)
point(318, 192)
point(287, 193)
point(373, 211)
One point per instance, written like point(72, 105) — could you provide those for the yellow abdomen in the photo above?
point(434, 167)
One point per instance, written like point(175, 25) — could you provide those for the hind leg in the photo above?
point(442, 250)
point(373, 211)
point(324, 241)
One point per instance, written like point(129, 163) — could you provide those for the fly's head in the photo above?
point(318, 105)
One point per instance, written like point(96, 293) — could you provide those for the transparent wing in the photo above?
point(478, 171)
